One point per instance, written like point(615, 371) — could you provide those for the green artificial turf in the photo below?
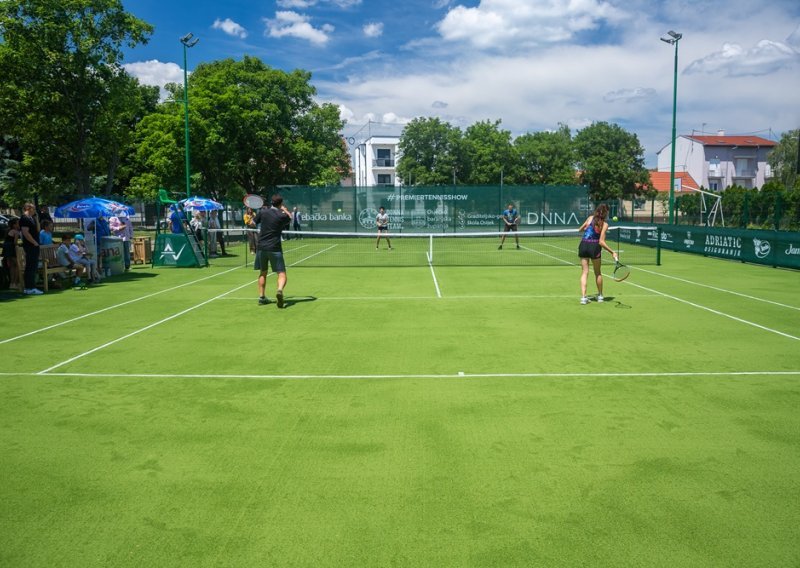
point(374, 423)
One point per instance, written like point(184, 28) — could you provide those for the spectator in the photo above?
point(197, 222)
point(44, 215)
point(79, 255)
point(249, 215)
point(213, 223)
point(297, 218)
point(10, 253)
point(176, 219)
point(122, 227)
point(64, 258)
point(30, 244)
point(46, 234)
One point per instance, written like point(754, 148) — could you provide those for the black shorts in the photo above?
point(266, 258)
point(511, 227)
point(383, 228)
point(589, 249)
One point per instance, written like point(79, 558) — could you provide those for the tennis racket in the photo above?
point(621, 272)
point(253, 201)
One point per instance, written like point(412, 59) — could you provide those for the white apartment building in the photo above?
point(718, 162)
point(375, 162)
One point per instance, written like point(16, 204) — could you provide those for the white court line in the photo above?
point(10, 339)
point(164, 320)
point(449, 297)
point(717, 289)
point(713, 311)
point(435, 282)
point(459, 375)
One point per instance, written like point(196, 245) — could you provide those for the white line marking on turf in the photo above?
point(449, 297)
point(460, 374)
point(435, 282)
point(164, 320)
point(713, 311)
point(718, 289)
point(65, 322)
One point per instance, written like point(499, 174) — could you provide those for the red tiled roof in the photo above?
point(660, 180)
point(746, 141)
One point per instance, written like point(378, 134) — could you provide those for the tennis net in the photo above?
point(553, 247)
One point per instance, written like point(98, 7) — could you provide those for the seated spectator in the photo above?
point(176, 219)
point(64, 258)
point(79, 255)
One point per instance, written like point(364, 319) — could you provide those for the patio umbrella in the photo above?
point(91, 208)
point(200, 204)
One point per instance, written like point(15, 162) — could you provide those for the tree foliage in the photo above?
point(783, 159)
point(251, 128)
point(489, 153)
point(610, 160)
point(546, 157)
point(430, 150)
point(59, 60)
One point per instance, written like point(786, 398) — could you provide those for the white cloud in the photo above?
point(735, 61)
point(155, 73)
point(630, 95)
point(374, 29)
point(292, 24)
point(230, 27)
point(439, 104)
point(499, 24)
point(296, 3)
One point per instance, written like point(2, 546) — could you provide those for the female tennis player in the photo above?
point(591, 248)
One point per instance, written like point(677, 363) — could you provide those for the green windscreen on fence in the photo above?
point(437, 208)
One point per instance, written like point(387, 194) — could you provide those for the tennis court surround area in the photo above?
point(426, 415)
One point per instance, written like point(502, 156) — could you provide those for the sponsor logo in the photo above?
point(169, 252)
point(722, 245)
point(553, 218)
point(762, 248)
point(793, 249)
point(688, 241)
point(367, 218)
point(428, 197)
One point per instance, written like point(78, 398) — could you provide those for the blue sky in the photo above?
point(530, 63)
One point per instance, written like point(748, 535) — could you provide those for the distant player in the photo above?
point(591, 248)
point(382, 221)
point(510, 219)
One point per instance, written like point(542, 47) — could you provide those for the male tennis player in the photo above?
point(510, 219)
point(273, 220)
point(591, 248)
point(382, 221)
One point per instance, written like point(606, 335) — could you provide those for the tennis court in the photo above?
point(426, 415)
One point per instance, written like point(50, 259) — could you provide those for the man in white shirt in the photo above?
point(382, 221)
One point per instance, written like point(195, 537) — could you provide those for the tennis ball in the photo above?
point(615, 218)
point(339, 210)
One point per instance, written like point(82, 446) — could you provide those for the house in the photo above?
point(718, 162)
point(375, 161)
point(683, 181)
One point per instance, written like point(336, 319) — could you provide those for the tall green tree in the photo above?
point(546, 157)
point(784, 159)
point(251, 127)
point(431, 152)
point(60, 63)
point(611, 161)
point(489, 154)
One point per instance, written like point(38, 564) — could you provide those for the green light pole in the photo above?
point(187, 42)
point(673, 40)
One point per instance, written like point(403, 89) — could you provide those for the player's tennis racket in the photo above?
point(621, 272)
point(253, 201)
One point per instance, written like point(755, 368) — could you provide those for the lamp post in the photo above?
point(673, 39)
point(187, 41)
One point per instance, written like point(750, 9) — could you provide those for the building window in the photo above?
point(384, 153)
point(713, 186)
point(384, 179)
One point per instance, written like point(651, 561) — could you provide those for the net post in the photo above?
point(430, 249)
point(658, 246)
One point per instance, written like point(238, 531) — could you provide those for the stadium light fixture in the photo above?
point(673, 39)
point(187, 42)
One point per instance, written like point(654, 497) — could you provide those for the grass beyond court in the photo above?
point(418, 416)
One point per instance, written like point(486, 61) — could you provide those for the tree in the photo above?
point(546, 157)
point(784, 158)
point(430, 152)
point(60, 66)
point(251, 128)
point(611, 161)
point(489, 153)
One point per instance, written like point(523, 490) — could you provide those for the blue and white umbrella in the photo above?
point(200, 204)
point(93, 207)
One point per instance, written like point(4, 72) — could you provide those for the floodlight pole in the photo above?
point(187, 42)
point(674, 39)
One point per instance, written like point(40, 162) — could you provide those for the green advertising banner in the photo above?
point(773, 248)
point(174, 250)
